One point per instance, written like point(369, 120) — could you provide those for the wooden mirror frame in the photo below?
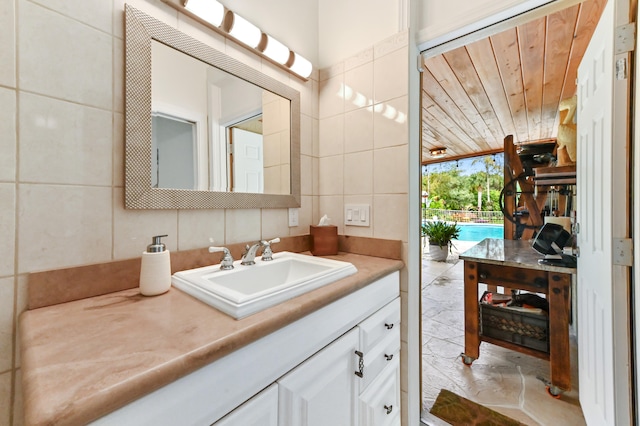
point(141, 29)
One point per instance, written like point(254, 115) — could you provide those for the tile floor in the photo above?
point(503, 380)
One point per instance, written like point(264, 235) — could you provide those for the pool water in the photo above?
point(479, 231)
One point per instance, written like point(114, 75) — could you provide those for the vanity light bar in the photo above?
point(230, 23)
point(276, 50)
point(209, 10)
point(243, 30)
point(301, 65)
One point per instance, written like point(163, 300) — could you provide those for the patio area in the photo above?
point(506, 381)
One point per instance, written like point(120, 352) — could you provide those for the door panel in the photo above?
point(601, 139)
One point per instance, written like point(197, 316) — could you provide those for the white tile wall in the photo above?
point(390, 129)
point(64, 142)
point(364, 105)
point(118, 149)
point(133, 229)
point(275, 223)
point(8, 51)
point(7, 228)
point(196, 227)
point(359, 172)
point(390, 75)
point(390, 165)
point(7, 131)
point(64, 58)
point(306, 179)
point(331, 96)
point(390, 219)
point(95, 13)
point(242, 225)
point(63, 225)
point(332, 135)
point(306, 135)
point(358, 83)
point(358, 130)
point(331, 175)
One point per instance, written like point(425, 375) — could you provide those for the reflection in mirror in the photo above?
point(202, 129)
point(173, 152)
point(209, 129)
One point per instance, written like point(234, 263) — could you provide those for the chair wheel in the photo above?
point(467, 360)
point(554, 391)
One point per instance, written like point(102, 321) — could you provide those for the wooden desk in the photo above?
point(514, 264)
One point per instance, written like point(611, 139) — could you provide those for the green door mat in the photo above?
point(459, 411)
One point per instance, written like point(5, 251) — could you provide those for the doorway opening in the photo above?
point(509, 81)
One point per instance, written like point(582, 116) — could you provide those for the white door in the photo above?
point(248, 174)
point(323, 390)
point(603, 316)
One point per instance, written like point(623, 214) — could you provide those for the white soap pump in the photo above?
point(155, 269)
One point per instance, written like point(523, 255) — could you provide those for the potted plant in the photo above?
point(440, 234)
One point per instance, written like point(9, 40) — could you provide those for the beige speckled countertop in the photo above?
point(85, 358)
point(516, 253)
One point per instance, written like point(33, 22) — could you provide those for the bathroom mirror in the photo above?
point(227, 139)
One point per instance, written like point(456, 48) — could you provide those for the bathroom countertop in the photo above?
point(84, 359)
point(515, 253)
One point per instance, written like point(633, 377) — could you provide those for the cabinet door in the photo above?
point(261, 410)
point(380, 402)
point(323, 390)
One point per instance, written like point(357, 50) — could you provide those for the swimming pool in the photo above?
point(479, 231)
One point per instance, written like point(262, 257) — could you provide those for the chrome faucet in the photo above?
point(267, 254)
point(249, 255)
point(226, 262)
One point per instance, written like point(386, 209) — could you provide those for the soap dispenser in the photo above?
point(155, 269)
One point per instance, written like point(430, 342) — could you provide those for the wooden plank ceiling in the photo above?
point(507, 84)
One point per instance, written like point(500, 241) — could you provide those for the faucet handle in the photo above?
point(267, 254)
point(226, 262)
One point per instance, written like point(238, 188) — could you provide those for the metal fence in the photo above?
point(462, 216)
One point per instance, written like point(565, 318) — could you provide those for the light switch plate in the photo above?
point(293, 217)
point(356, 214)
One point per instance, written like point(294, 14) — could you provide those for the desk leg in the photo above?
point(559, 356)
point(471, 329)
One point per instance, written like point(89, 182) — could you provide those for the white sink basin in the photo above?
point(245, 290)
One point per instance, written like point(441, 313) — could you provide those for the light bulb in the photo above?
point(276, 50)
point(245, 31)
point(301, 66)
point(209, 10)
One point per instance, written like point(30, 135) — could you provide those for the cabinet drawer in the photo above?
point(380, 356)
point(379, 325)
point(380, 402)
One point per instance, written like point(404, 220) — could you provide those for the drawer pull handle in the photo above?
point(360, 371)
point(389, 408)
point(484, 275)
point(388, 357)
point(389, 326)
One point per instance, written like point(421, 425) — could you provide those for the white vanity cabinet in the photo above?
point(353, 381)
point(336, 366)
point(261, 410)
point(379, 402)
point(324, 389)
